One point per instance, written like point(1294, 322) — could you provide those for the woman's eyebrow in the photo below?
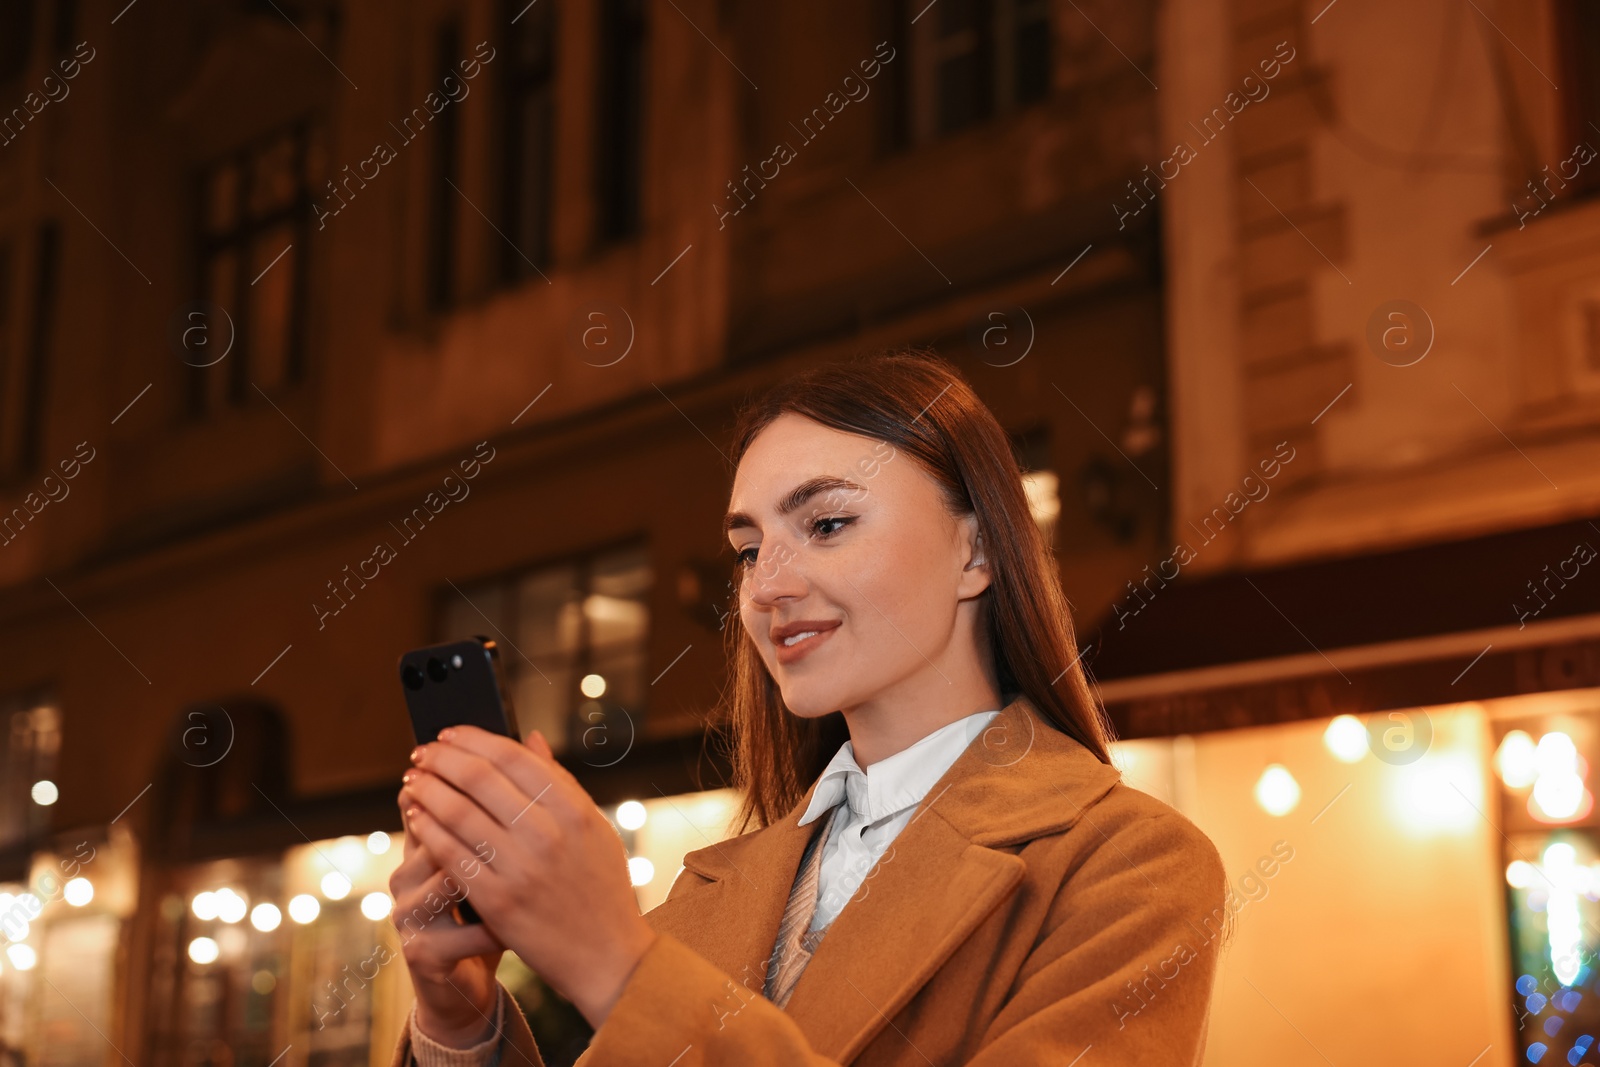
point(795, 499)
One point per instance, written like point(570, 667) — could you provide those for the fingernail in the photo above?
point(413, 812)
point(447, 733)
point(405, 779)
point(417, 754)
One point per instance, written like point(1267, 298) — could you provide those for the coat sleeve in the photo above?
point(1122, 965)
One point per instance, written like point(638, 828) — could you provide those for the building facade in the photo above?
point(334, 328)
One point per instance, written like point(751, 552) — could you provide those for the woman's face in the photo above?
point(844, 535)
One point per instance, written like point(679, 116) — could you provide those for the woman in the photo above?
point(927, 769)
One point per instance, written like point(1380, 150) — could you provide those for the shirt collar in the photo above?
point(895, 782)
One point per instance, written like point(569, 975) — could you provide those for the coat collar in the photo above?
point(1020, 779)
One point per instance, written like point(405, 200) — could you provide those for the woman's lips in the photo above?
point(788, 654)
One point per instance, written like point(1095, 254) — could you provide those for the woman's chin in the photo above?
point(809, 705)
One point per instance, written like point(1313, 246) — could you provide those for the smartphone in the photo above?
point(461, 683)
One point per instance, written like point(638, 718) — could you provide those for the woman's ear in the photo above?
point(975, 575)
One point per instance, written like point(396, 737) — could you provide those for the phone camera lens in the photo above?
point(436, 669)
point(411, 676)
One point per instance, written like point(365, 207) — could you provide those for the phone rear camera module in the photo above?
point(436, 669)
point(455, 661)
point(411, 676)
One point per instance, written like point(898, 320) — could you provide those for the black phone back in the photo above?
point(455, 684)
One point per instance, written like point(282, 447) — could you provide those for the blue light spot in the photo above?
point(1570, 1001)
point(1552, 1025)
point(1583, 1043)
point(1526, 984)
point(1536, 1052)
point(1536, 1002)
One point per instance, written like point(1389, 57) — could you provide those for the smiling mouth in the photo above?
point(796, 646)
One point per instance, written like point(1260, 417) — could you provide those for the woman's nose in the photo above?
point(774, 576)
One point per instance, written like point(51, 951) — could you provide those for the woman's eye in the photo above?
point(842, 520)
point(747, 558)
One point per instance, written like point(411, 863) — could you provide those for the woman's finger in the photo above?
point(480, 772)
point(539, 777)
point(447, 941)
point(415, 868)
point(470, 865)
point(426, 909)
point(472, 828)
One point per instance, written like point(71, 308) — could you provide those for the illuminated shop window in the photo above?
point(1551, 864)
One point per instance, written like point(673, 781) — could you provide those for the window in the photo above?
point(25, 352)
point(621, 110)
point(255, 212)
point(443, 198)
point(31, 741)
point(1550, 862)
point(1579, 27)
point(971, 60)
point(573, 640)
point(527, 125)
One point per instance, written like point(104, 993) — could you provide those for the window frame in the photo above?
point(507, 581)
point(919, 108)
point(203, 398)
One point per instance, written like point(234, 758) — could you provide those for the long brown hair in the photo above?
point(917, 402)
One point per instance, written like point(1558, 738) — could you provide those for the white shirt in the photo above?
point(879, 802)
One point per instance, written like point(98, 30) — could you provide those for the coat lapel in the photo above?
point(938, 880)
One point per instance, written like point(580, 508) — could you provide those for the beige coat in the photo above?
point(1036, 909)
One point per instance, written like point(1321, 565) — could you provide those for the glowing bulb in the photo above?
point(304, 908)
point(1514, 760)
point(641, 870)
point(1276, 791)
point(350, 854)
point(265, 917)
point(376, 906)
point(1519, 874)
point(335, 886)
point(205, 905)
point(22, 957)
point(203, 950)
point(1439, 793)
point(1559, 796)
point(377, 842)
point(593, 686)
point(1556, 754)
point(78, 892)
point(45, 793)
point(1346, 738)
point(230, 905)
point(631, 814)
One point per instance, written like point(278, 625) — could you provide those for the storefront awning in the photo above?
point(1470, 619)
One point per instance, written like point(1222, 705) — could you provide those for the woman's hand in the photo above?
point(452, 966)
point(547, 871)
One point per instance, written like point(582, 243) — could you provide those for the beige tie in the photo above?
point(795, 944)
